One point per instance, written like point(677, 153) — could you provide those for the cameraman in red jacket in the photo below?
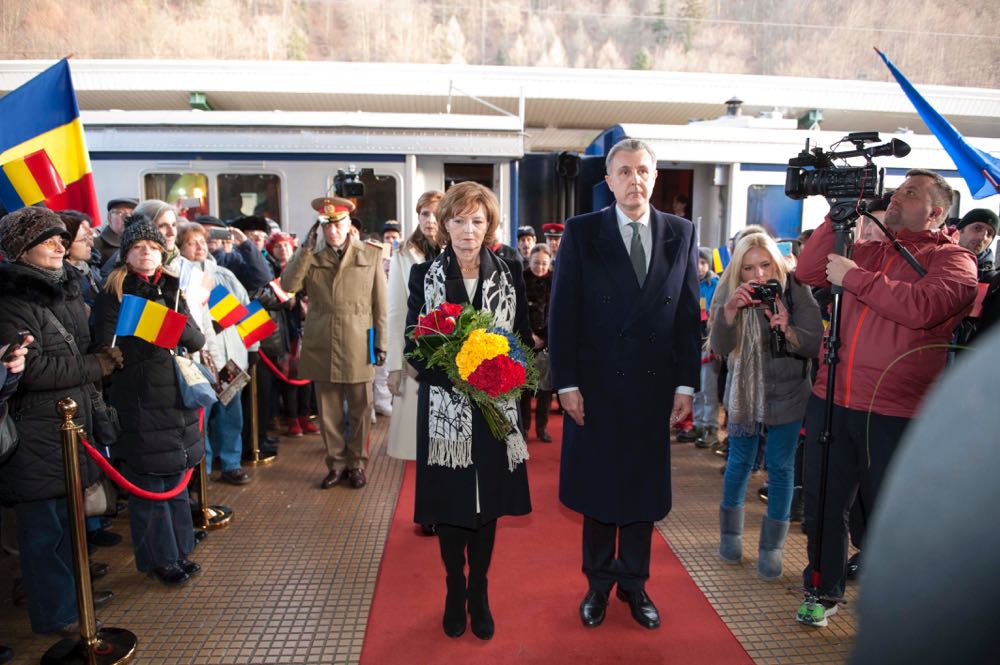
point(895, 326)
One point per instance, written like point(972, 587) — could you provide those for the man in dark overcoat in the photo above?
point(624, 346)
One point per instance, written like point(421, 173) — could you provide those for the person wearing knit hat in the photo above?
point(137, 228)
point(27, 227)
point(976, 232)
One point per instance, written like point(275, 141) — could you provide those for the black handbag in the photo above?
point(106, 426)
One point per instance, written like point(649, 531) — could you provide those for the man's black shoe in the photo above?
point(333, 478)
point(854, 566)
point(235, 477)
point(188, 566)
point(171, 575)
point(428, 529)
point(593, 608)
point(98, 570)
point(357, 477)
point(6, 654)
point(105, 523)
point(544, 436)
point(643, 610)
point(200, 535)
point(102, 598)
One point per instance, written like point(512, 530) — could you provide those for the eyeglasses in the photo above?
point(53, 243)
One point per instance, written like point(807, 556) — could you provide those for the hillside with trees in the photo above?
point(949, 43)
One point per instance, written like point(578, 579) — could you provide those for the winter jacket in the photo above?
point(248, 264)
point(159, 436)
point(892, 316)
point(706, 290)
point(786, 380)
point(347, 297)
point(52, 373)
point(538, 291)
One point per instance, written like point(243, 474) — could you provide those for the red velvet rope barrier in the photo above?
point(120, 480)
point(273, 368)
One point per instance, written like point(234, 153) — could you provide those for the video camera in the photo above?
point(768, 294)
point(347, 183)
point(814, 171)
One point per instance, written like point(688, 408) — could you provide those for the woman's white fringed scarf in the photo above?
point(450, 421)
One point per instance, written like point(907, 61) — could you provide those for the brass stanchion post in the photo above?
point(210, 517)
point(108, 646)
point(257, 459)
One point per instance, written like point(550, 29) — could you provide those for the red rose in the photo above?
point(451, 309)
point(497, 376)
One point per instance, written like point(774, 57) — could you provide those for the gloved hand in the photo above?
point(395, 382)
point(110, 359)
point(310, 242)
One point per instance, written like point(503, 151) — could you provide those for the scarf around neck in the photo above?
point(746, 398)
point(450, 421)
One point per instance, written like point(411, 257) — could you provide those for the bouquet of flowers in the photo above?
point(488, 364)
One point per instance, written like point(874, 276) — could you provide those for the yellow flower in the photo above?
point(480, 346)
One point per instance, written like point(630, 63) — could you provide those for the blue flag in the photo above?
point(980, 170)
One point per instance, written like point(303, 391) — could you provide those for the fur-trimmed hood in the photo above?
point(20, 281)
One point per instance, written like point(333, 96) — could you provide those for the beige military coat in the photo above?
point(347, 296)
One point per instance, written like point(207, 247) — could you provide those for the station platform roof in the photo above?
point(562, 108)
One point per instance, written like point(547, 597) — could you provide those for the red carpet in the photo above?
point(535, 589)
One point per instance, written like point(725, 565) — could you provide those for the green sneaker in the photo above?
point(813, 611)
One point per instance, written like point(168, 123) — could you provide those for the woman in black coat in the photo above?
point(466, 478)
point(160, 438)
point(36, 292)
point(538, 289)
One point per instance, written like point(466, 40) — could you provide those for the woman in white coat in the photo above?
point(422, 245)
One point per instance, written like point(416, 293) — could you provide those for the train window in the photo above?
point(456, 173)
point(188, 192)
point(378, 205)
point(249, 194)
point(768, 206)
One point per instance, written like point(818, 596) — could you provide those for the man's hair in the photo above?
point(941, 192)
point(628, 145)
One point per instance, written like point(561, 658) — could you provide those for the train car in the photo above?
point(722, 177)
point(274, 163)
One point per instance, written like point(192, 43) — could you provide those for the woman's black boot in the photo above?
point(480, 554)
point(452, 542)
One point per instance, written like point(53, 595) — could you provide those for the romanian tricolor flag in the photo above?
point(256, 326)
point(150, 321)
point(43, 157)
point(720, 259)
point(225, 308)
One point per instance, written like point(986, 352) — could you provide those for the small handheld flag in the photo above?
point(153, 322)
point(225, 308)
point(257, 325)
point(720, 259)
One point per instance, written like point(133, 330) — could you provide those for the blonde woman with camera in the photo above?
point(769, 327)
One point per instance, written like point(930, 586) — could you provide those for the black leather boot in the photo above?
point(480, 554)
point(452, 542)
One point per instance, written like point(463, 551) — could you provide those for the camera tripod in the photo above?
point(843, 215)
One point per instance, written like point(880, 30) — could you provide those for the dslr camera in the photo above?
point(768, 294)
point(347, 183)
point(816, 172)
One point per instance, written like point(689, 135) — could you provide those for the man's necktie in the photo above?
point(637, 254)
